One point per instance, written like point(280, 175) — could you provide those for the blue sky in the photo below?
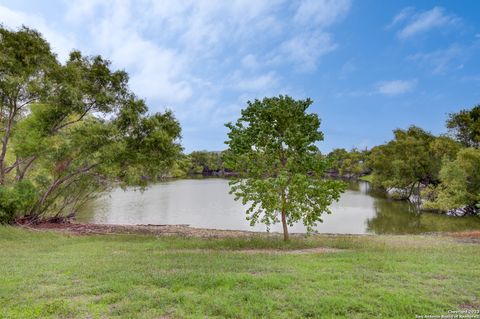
point(369, 66)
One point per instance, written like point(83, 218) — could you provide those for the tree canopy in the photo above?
point(465, 126)
point(205, 162)
point(412, 158)
point(273, 148)
point(70, 131)
point(460, 181)
point(348, 164)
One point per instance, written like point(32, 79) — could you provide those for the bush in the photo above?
point(460, 182)
point(16, 200)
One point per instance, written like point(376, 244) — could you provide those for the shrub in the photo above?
point(16, 200)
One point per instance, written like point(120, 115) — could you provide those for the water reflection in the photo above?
point(394, 217)
point(206, 203)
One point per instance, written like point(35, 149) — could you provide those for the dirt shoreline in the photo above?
point(156, 230)
point(188, 231)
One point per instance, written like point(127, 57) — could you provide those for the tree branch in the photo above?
point(36, 211)
point(21, 173)
point(57, 128)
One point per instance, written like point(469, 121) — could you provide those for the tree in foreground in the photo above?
point(281, 172)
point(70, 131)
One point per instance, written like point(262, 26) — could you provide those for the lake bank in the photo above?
point(188, 231)
point(53, 275)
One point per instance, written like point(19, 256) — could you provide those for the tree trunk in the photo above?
point(285, 226)
point(284, 215)
point(5, 139)
point(21, 172)
point(37, 209)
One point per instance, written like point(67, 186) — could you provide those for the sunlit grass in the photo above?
point(49, 275)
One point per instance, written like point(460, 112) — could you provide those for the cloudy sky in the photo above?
point(369, 66)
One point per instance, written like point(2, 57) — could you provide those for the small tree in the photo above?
point(272, 147)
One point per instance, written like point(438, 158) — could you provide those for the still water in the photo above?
point(206, 203)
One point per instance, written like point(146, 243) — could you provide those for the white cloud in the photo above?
point(304, 50)
point(425, 21)
point(205, 26)
point(195, 56)
point(442, 60)
point(60, 42)
point(79, 10)
point(263, 82)
point(311, 41)
point(157, 72)
point(321, 12)
point(250, 61)
point(167, 46)
point(395, 87)
point(401, 16)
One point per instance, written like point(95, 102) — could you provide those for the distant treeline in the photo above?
point(205, 163)
point(351, 164)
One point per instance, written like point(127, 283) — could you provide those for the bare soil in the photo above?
point(159, 230)
point(467, 234)
point(470, 237)
point(188, 231)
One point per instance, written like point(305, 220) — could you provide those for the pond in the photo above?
point(206, 203)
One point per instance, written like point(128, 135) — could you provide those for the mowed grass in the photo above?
point(50, 275)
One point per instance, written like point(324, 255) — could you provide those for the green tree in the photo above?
point(351, 164)
point(206, 162)
point(272, 147)
point(336, 158)
point(72, 130)
point(465, 126)
point(25, 63)
point(460, 182)
point(412, 159)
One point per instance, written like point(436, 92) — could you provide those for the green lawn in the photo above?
point(49, 275)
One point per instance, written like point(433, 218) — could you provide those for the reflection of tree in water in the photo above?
point(400, 217)
point(395, 217)
point(353, 185)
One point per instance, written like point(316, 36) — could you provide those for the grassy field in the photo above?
point(50, 275)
